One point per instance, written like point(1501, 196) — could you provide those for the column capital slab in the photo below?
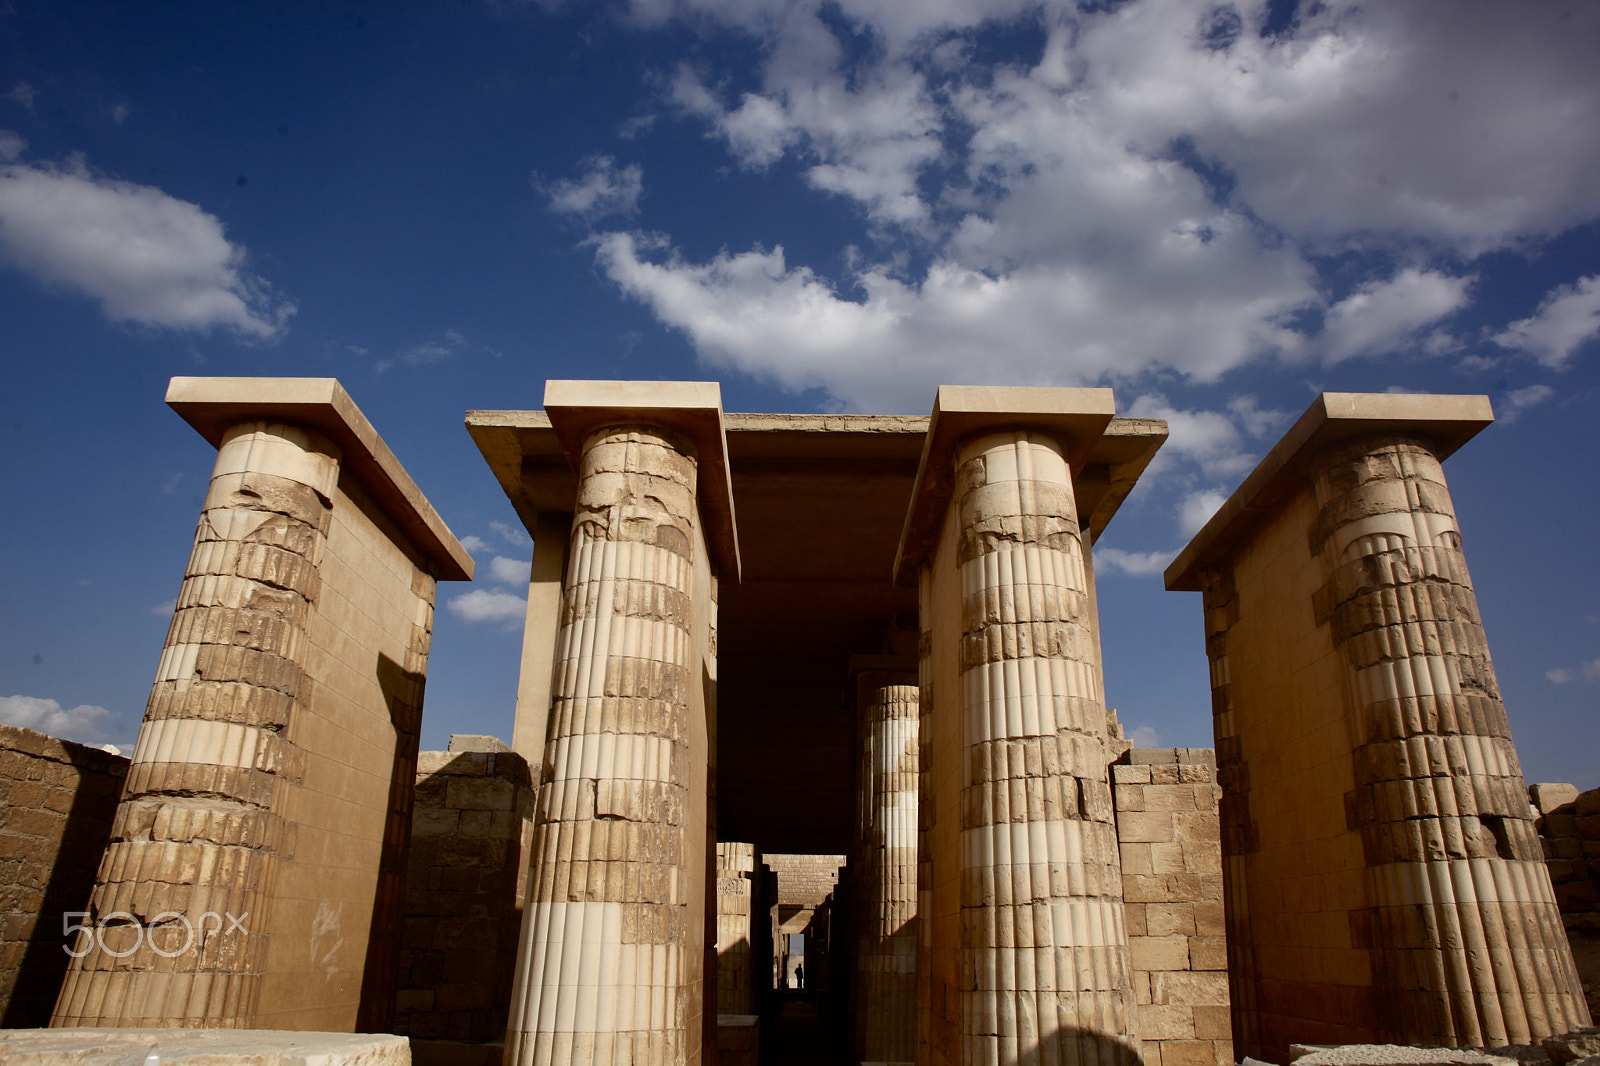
point(1077, 418)
point(213, 405)
point(690, 408)
point(1445, 421)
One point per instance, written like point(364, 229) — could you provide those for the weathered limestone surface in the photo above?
point(471, 824)
point(886, 877)
point(201, 828)
point(1383, 879)
point(605, 967)
point(1469, 948)
point(199, 1047)
point(1045, 960)
point(256, 865)
point(737, 893)
point(1172, 883)
point(57, 801)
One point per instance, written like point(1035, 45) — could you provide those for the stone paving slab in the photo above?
point(198, 1047)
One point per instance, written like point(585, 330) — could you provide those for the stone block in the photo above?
point(1156, 953)
point(1169, 919)
point(454, 764)
point(486, 795)
point(1213, 1022)
point(1158, 1021)
point(1208, 953)
point(1136, 860)
point(434, 821)
point(1548, 796)
point(1144, 827)
point(1391, 1055)
point(1190, 989)
point(460, 742)
point(413, 999)
point(1168, 858)
point(1578, 1044)
point(1169, 798)
point(1188, 1053)
point(200, 1047)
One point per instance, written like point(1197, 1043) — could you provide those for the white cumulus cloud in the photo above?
point(510, 571)
point(83, 723)
point(1519, 401)
point(1196, 509)
point(1567, 319)
point(1383, 314)
point(147, 257)
point(511, 534)
point(1589, 671)
point(603, 189)
point(1145, 736)
point(485, 605)
point(1139, 564)
point(1161, 187)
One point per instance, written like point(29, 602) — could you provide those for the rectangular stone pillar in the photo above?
point(1027, 954)
point(611, 963)
point(255, 868)
point(1384, 879)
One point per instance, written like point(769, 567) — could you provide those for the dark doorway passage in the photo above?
point(801, 1033)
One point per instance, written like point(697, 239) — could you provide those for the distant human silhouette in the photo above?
point(799, 975)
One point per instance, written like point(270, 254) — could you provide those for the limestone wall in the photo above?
point(336, 912)
point(469, 832)
point(1569, 829)
point(1171, 848)
point(804, 880)
point(1286, 763)
point(57, 800)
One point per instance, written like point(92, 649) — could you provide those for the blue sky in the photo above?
point(1216, 209)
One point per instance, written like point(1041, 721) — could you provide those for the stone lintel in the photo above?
point(884, 664)
point(215, 405)
point(1076, 417)
point(526, 457)
point(1445, 421)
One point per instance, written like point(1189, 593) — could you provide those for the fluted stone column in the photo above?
point(1468, 945)
point(182, 890)
point(602, 969)
point(887, 957)
point(1045, 970)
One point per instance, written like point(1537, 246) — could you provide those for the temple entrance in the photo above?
point(821, 503)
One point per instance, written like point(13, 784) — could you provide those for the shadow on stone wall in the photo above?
point(463, 907)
